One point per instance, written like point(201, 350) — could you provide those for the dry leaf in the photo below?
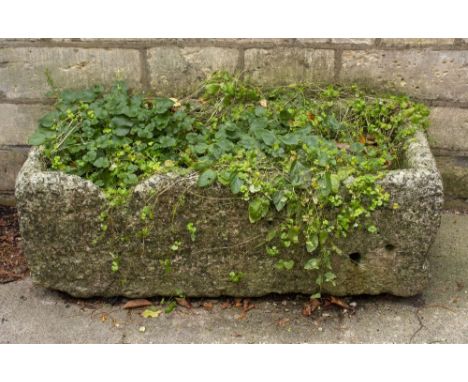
point(184, 302)
point(339, 302)
point(343, 146)
point(138, 303)
point(176, 102)
point(310, 116)
point(226, 305)
point(246, 306)
point(263, 103)
point(148, 313)
point(238, 302)
point(362, 139)
point(370, 140)
point(208, 306)
point(310, 307)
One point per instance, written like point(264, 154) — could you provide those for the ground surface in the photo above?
point(30, 314)
point(12, 262)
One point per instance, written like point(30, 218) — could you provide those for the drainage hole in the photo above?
point(355, 257)
point(389, 247)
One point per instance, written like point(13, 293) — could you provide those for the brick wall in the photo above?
point(434, 71)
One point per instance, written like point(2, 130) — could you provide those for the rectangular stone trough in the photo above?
point(67, 250)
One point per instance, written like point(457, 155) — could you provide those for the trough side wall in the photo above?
point(434, 71)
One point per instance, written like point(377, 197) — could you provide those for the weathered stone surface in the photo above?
point(449, 128)
point(176, 71)
point(60, 229)
point(286, 65)
point(422, 73)
point(18, 122)
point(454, 171)
point(353, 41)
point(416, 42)
point(11, 160)
point(22, 70)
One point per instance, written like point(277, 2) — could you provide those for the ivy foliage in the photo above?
point(314, 155)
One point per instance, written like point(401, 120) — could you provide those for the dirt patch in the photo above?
point(13, 264)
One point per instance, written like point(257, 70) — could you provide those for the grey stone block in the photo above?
point(454, 171)
point(60, 229)
point(448, 129)
point(285, 65)
point(18, 122)
point(11, 160)
point(7, 198)
point(178, 71)
point(422, 73)
point(416, 42)
point(22, 71)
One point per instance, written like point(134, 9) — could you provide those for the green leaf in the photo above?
point(40, 136)
point(211, 89)
point(162, 105)
point(334, 183)
point(372, 229)
point(236, 184)
point(272, 251)
point(271, 234)
point(170, 307)
point(312, 243)
point(300, 175)
point(90, 156)
point(131, 179)
point(268, 137)
point(225, 177)
point(329, 276)
point(285, 116)
point(258, 124)
point(199, 148)
point(49, 119)
point(290, 139)
point(258, 208)
point(285, 265)
point(207, 178)
point(121, 131)
point(279, 200)
point(101, 162)
point(316, 295)
point(167, 141)
point(121, 122)
point(325, 186)
point(313, 263)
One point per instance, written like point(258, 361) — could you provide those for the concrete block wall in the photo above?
point(434, 71)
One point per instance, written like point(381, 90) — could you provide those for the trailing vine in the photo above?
point(312, 155)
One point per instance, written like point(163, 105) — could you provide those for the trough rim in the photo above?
point(417, 157)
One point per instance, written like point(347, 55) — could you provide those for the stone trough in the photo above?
point(67, 250)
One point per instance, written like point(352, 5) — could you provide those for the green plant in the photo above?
point(236, 277)
point(176, 245)
point(192, 231)
point(311, 156)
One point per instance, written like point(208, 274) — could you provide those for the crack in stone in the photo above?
point(421, 326)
